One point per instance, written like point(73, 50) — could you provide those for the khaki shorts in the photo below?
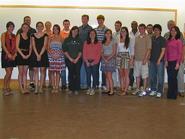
point(140, 69)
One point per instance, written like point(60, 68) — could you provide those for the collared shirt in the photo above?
point(73, 46)
point(157, 45)
point(83, 32)
point(101, 33)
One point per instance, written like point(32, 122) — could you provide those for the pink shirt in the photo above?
point(174, 50)
point(92, 52)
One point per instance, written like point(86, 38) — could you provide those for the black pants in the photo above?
point(74, 74)
point(172, 80)
point(131, 77)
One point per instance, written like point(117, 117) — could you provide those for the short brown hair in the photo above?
point(118, 22)
point(85, 15)
point(100, 17)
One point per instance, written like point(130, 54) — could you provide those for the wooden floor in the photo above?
point(62, 116)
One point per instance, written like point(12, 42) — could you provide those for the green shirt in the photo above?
point(73, 46)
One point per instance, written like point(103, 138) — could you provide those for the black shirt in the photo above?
point(157, 45)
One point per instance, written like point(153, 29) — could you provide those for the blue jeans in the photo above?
point(63, 77)
point(92, 71)
point(83, 76)
point(156, 76)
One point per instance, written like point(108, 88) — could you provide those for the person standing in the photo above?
point(124, 58)
point(48, 31)
point(56, 58)
point(173, 58)
point(100, 30)
point(39, 58)
point(9, 53)
point(24, 50)
point(83, 33)
point(64, 34)
point(156, 66)
point(108, 64)
point(180, 76)
point(27, 20)
point(133, 34)
point(141, 56)
point(91, 57)
point(72, 48)
point(116, 37)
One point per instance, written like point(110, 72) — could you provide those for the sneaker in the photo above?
point(32, 86)
point(92, 92)
point(129, 88)
point(88, 92)
point(104, 88)
point(64, 87)
point(136, 92)
point(142, 93)
point(76, 93)
point(158, 95)
point(152, 93)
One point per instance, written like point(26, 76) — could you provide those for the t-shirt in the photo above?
point(157, 45)
point(73, 46)
point(142, 44)
point(64, 34)
point(101, 33)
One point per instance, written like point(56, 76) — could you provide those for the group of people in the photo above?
point(88, 53)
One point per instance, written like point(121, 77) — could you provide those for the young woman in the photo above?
point(23, 45)
point(56, 58)
point(124, 58)
point(108, 60)
point(72, 48)
point(91, 56)
point(173, 58)
point(39, 58)
point(8, 43)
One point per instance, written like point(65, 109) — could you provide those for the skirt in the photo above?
point(110, 66)
point(122, 60)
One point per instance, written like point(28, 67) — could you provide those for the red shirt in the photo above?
point(174, 50)
point(92, 52)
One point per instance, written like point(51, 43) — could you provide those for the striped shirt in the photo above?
point(101, 33)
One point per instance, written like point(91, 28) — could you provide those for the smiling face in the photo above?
point(142, 30)
point(157, 32)
point(149, 29)
point(123, 32)
point(92, 35)
point(48, 25)
point(173, 32)
point(27, 20)
point(55, 30)
point(10, 28)
point(74, 33)
point(66, 25)
point(117, 27)
point(85, 20)
point(25, 28)
point(108, 35)
point(40, 27)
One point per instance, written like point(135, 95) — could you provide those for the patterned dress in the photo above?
point(56, 57)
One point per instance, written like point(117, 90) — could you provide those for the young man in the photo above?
point(141, 55)
point(149, 29)
point(64, 34)
point(133, 34)
point(27, 20)
point(100, 30)
point(116, 37)
point(84, 30)
point(180, 76)
point(156, 66)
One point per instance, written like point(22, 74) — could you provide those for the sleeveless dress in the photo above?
point(24, 46)
point(111, 65)
point(10, 44)
point(56, 57)
point(39, 42)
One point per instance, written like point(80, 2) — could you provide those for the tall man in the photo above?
point(100, 30)
point(84, 30)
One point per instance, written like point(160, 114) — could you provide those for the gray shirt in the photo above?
point(84, 30)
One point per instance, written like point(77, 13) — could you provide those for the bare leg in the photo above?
point(36, 77)
point(20, 78)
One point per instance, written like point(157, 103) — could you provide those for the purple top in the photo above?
point(174, 50)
